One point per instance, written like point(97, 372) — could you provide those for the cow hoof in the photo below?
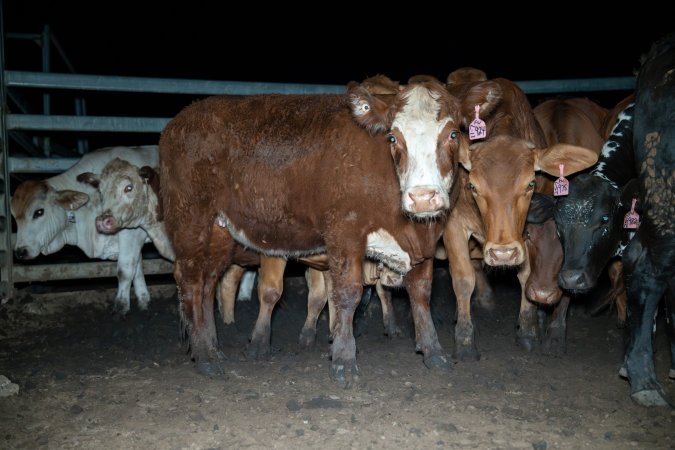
point(257, 351)
point(307, 338)
point(210, 368)
point(441, 362)
point(345, 374)
point(554, 346)
point(623, 373)
point(465, 354)
point(527, 343)
point(671, 374)
point(650, 397)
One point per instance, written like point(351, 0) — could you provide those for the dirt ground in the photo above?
point(88, 382)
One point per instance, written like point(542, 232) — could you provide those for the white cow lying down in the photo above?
point(61, 211)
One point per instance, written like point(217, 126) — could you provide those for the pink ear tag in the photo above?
point(632, 219)
point(477, 129)
point(562, 185)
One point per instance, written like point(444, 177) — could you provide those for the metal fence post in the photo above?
point(6, 269)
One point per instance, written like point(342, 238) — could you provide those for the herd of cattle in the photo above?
point(368, 187)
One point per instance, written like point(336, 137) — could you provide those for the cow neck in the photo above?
point(616, 163)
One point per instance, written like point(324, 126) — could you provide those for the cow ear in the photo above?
point(488, 95)
point(71, 200)
point(89, 178)
point(572, 157)
point(541, 208)
point(465, 75)
point(371, 105)
point(147, 173)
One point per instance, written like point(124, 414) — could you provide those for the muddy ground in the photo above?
point(86, 381)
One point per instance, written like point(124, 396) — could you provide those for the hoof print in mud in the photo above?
point(345, 374)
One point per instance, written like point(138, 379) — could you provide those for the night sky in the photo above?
point(197, 40)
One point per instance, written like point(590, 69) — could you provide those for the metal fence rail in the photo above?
point(10, 79)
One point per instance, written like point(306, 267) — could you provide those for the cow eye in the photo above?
point(472, 187)
point(453, 135)
point(38, 213)
point(526, 234)
point(605, 218)
point(530, 186)
point(392, 138)
point(128, 188)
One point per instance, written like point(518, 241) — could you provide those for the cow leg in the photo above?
point(227, 292)
point(617, 291)
point(463, 282)
point(316, 301)
point(418, 284)
point(270, 288)
point(388, 316)
point(527, 334)
point(197, 270)
point(129, 258)
point(670, 322)
point(646, 283)
point(347, 287)
point(555, 340)
point(140, 287)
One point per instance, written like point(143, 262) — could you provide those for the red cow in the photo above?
point(355, 176)
point(498, 183)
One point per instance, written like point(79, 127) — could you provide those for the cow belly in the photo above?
point(382, 246)
point(289, 240)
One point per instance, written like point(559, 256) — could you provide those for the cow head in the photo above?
point(590, 226)
point(421, 123)
point(42, 215)
point(125, 196)
point(545, 253)
point(501, 181)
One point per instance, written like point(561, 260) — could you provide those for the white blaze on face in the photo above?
point(418, 123)
point(382, 246)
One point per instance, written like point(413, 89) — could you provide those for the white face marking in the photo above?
point(381, 246)
point(419, 124)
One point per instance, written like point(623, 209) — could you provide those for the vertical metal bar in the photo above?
point(6, 281)
point(46, 98)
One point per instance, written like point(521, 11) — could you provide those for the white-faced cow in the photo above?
point(366, 174)
point(61, 211)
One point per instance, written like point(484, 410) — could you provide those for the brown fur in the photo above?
point(494, 213)
point(465, 75)
point(24, 195)
point(298, 175)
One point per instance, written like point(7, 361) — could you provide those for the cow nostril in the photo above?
point(20, 253)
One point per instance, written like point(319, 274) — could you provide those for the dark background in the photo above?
point(227, 41)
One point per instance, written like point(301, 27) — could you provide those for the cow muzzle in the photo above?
point(543, 295)
point(22, 253)
point(575, 280)
point(503, 255)
point(107, 224)
point(424, 201)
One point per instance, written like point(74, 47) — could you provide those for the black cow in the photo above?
point(590, 218)
point(649, 259)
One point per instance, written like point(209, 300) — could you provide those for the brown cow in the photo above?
point(351, 175)
point(492, 207)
